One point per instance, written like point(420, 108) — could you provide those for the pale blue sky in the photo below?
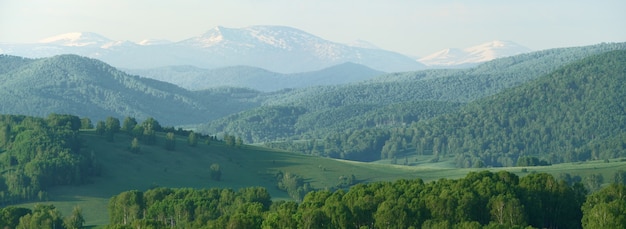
point(408, 26)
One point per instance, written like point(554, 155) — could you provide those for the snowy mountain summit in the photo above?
point(452, 57)
point(275, 48)
point(285, 49)
point(76, 39)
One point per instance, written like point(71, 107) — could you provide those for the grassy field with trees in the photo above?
point(285, 176)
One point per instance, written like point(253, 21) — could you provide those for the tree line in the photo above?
point(38, 153)
point(479, 200)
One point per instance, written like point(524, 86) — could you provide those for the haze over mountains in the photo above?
point(275, 48)
point(454, 57)
point(194, 78)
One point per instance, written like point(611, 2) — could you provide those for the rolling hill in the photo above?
point(91, 88)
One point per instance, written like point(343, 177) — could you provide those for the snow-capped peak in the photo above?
point(77, 39)
point(281, 37)
point(475, 54)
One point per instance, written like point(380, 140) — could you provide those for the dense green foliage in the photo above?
point(41, 216)
point(37, 153)
point(481, 199)
point(562, 117)
point(271, 123)
point(606, 208)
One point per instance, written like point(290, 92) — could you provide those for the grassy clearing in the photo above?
point(246, 166)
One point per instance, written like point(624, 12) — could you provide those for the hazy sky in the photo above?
point(411, 27)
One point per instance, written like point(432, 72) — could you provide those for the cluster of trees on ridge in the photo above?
point(480, 200)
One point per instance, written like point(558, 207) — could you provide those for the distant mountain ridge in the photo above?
point(193, 78)
point(275, 48)
point(453, 57)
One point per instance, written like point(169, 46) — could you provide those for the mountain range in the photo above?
point(194, 78)
point(275, 48)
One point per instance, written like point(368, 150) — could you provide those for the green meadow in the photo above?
point(246, 166)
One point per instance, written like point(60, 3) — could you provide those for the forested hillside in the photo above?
point(389, 101)
point(575, 113)
point(91, 88)
point(271, 123)
point(443, 84)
